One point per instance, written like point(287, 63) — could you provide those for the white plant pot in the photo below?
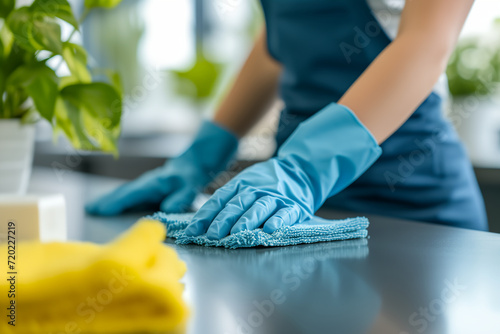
point(16, 155)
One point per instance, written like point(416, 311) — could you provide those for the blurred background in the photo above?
point(176, 59)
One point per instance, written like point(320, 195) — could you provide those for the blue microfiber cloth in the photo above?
point(314, 230)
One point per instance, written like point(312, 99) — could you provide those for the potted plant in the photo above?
point(32, 54)
point(474, 82)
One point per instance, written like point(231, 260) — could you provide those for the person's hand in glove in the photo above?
point(323, 156)
point(175, 185)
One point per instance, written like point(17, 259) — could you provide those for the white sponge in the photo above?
point(33, 217)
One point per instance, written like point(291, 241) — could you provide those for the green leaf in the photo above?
point(6, 6)
point(68, 119)
point(67, 80)
point(200, 80)
point(35, 31)
point(14, 57)
point(75, 57)
point(40, 83)
point(102, 3)
point(7, 39)
point(98, 99)
point(99, 107)
point(47, 33)
point(104, 136)
point(21, 25)
point(55, 8)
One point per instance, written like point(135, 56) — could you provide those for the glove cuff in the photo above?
point(213, 148)
point(333, 148)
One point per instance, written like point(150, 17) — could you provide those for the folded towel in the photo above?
point(314, 230)
point(130, 285)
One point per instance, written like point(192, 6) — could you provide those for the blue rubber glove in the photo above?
point(174, 185)
point(323, 156)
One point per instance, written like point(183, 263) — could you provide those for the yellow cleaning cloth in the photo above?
point(128, 286)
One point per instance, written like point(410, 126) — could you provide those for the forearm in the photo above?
point(402, 76)
point(395, 84)
point(252, 92)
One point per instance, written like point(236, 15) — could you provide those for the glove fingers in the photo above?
point(179, 201)
point(283, 217)
point(204, 217)
point(227, 217)
point(141, 191)
point(258, 213)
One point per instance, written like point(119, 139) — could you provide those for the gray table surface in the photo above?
point(407, 277)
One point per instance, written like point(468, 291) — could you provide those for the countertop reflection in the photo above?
point(407, 277)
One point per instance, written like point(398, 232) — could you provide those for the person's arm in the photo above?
point(308, 169)
point(402, 76)
point(252, 92)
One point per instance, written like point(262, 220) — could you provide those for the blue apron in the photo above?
point(423, 173)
